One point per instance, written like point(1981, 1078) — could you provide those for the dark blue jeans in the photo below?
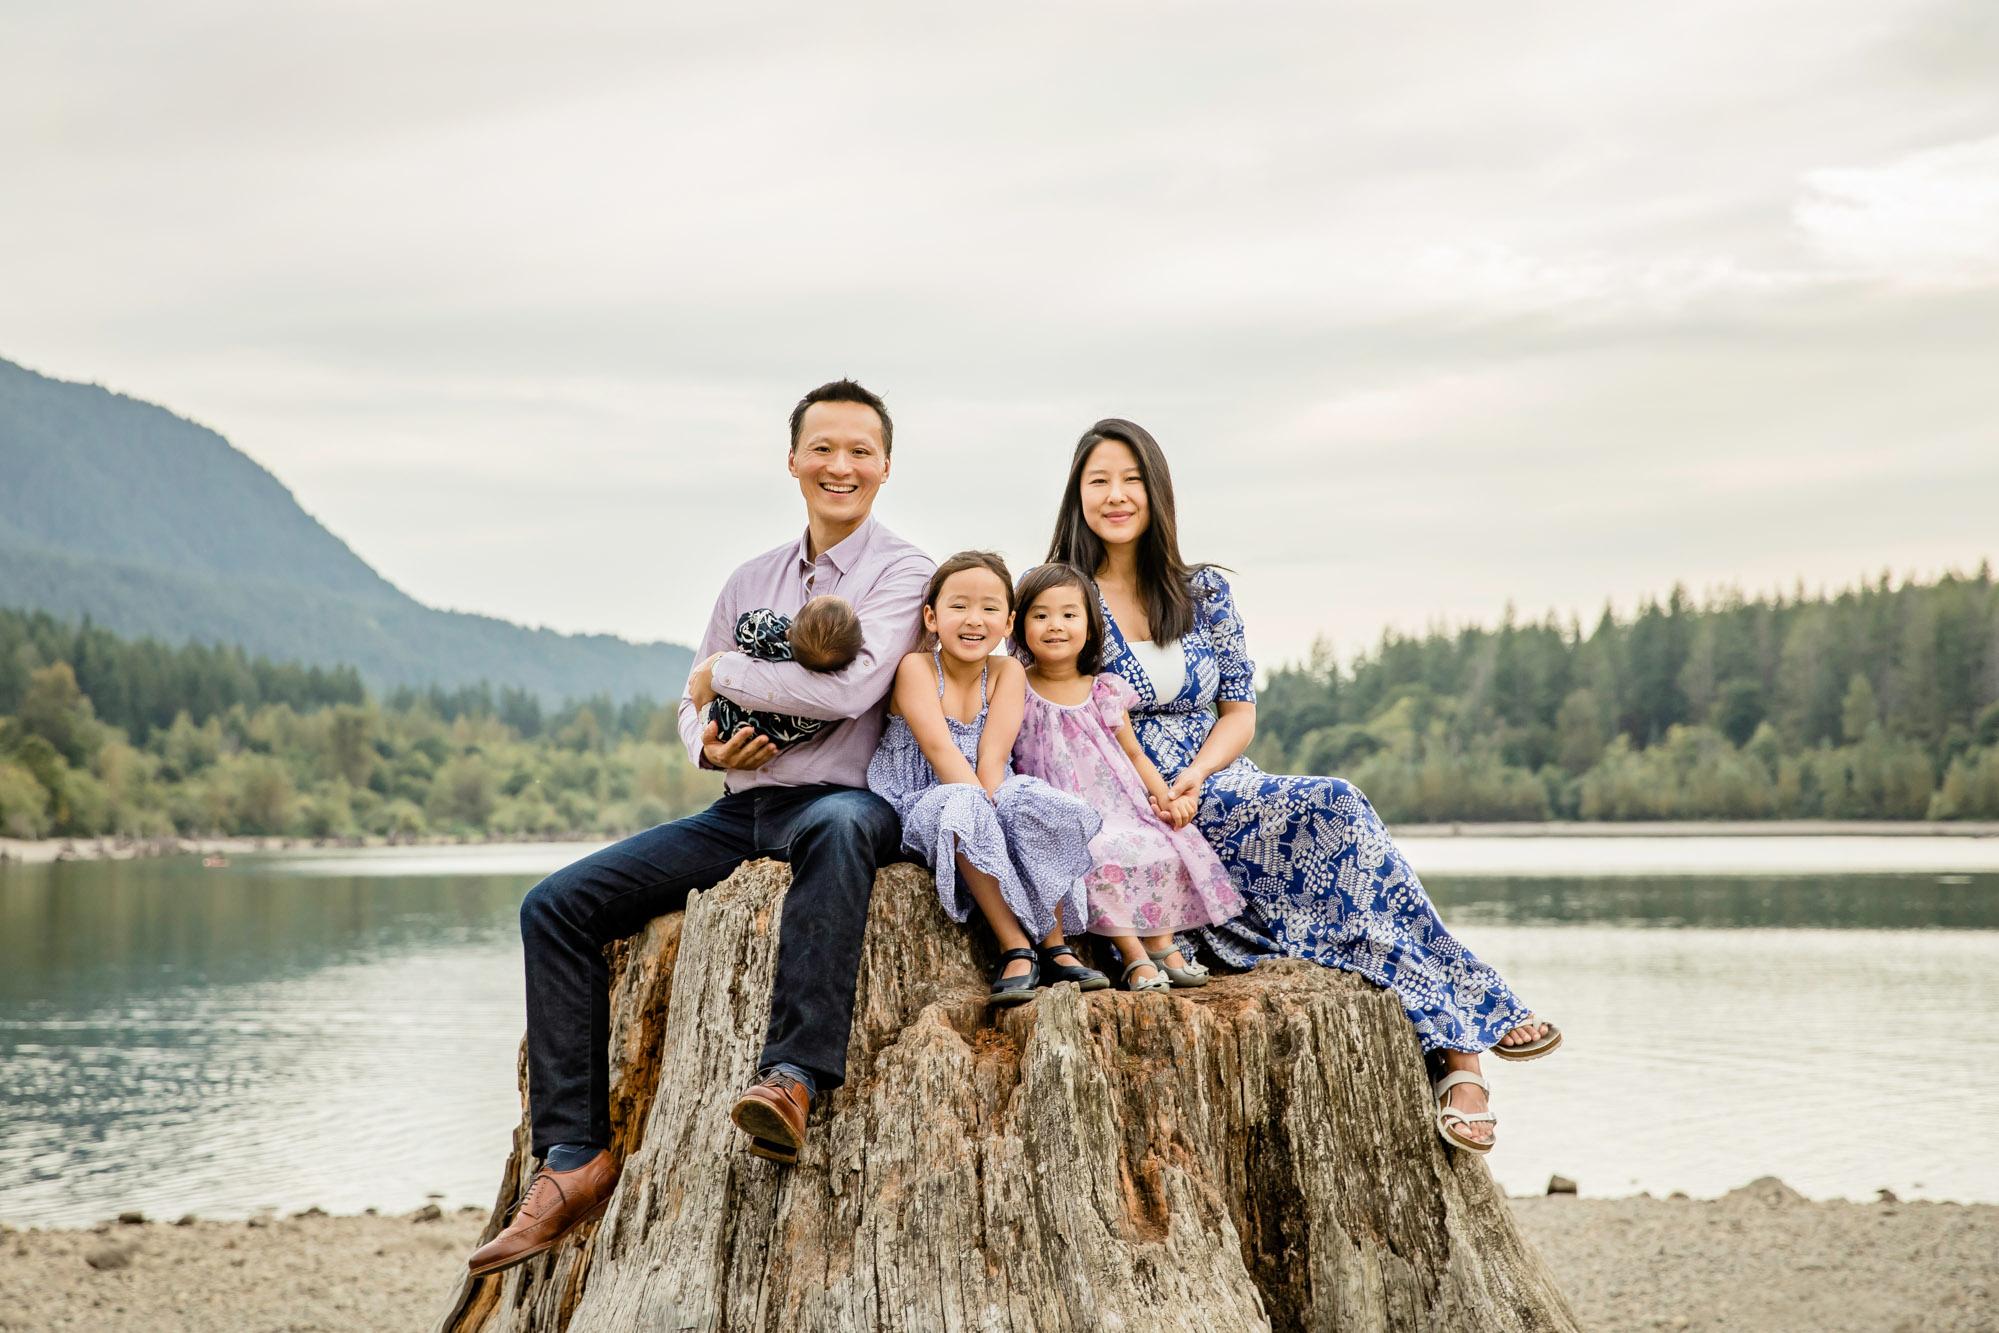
point(834, 838)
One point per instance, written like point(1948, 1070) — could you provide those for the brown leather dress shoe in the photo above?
point(556, 1204)
point(772, 1112)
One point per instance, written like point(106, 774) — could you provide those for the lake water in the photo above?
point(340, 1029)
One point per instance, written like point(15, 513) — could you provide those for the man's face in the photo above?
point(839, 461)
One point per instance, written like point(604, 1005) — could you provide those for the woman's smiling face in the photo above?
point(1113, 494)
point(1056, 627)
point(970, 615)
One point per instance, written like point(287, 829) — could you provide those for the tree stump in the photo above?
point(1256, 1154)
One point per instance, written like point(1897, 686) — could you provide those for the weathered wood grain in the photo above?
point(1254, 1155)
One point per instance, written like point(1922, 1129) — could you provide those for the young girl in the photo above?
point(1013, 845)
point(1151, 875)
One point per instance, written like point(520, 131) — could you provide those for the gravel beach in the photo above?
point(1760, 1260)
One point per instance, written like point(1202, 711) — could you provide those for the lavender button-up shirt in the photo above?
point(884, 577)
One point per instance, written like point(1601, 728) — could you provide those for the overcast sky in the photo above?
point(1433, 306)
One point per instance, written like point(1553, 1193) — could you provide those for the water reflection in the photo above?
point(83, 931)
point(341, 1029)
point(1850, 902)
point(173, 1038)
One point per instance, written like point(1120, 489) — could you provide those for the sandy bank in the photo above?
point(1764, 1260)
point(1760, 1260)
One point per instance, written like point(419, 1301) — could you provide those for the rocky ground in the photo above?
point(1764, 1260)
point(311, 1274)
point(1761, 1260)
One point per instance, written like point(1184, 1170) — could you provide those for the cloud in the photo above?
point(1927, 217)
point(1432, 308)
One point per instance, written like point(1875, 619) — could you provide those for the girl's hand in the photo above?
point(1184, 809)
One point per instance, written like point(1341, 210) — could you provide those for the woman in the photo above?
point(1322, 879)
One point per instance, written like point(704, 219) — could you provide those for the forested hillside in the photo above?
point(1879, 702)
point(99, 735)
point(146, 523)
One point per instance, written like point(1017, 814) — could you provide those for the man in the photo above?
point(808, 805)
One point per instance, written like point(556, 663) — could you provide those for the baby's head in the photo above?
point(1059, 621)
point(826, 634)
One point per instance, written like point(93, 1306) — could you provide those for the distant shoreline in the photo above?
point(42, 851)
point(1720, 828)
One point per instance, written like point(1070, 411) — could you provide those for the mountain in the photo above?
point(147, 523)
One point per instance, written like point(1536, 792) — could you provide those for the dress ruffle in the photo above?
point(1032, 839)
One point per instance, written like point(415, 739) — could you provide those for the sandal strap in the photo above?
point(1138, 963)
point(1458, 1079)
point(1027, 955)
point(1455, 1116)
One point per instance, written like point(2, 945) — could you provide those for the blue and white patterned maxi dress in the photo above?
point(1032, 838)
point(1321, 876)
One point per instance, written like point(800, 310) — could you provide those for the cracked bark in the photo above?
point(1257, 1154)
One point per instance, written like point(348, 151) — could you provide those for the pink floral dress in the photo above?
point(1145, 877)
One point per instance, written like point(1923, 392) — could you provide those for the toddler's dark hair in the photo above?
point(826, 634)
point(1046, 578)
point(963, 561)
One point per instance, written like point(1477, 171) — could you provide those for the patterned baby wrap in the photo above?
point(765, 635)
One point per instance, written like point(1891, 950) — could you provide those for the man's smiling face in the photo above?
point(839, 462)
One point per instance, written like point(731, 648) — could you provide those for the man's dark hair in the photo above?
point(844, 391)
point(826, 635)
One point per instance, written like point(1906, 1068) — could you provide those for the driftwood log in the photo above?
point(1257, 1154)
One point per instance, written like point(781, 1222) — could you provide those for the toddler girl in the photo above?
point(1013, 845)
point(1151, 874)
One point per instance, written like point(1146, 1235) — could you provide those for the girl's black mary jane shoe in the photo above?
point(1053, 970)
point(1015, 990)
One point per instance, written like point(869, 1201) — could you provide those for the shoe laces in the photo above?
point(777, 1078)
point(525, 1202)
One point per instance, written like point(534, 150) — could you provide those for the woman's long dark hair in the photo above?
point(1162, 574)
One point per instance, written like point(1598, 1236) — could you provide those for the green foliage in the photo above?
point(331, 762)
point(140, 684)
point(1970, 789)
point(1879, 703)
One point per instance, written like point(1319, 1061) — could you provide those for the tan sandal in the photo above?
point(1449, 1117)
point(1533, 1050)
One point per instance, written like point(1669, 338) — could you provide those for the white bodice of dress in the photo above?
point(1165, 665)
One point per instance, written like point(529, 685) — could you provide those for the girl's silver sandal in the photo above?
point(1156, 982)
point(1193, 974)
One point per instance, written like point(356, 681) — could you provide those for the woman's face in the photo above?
point(1055, 628)
point(1113, 494)
point(970, 616)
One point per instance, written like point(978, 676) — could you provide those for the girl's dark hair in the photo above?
point(963, 561)
point(1047, 578)
point(1162, 574)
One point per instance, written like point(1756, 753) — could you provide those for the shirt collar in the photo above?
point(845, 554)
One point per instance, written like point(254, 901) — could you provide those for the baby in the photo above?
point(825, 635)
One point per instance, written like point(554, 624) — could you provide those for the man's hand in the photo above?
point(701, 682)
point(745, 750)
